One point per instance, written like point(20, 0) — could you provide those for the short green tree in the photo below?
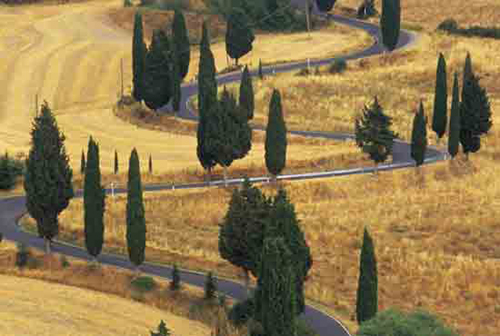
point(48, 177)
point(276, 142)
point(82, 163)
point(175, 284)
point(367, 293)
point(136, 221)
point(419, 136)
point(439, 118)
point(373, 133)
point(394, 322)
point(210, 287)
point(116, 162)
point(261, 75)
point(93, 202)
point(454, 129)
point(390, 22)
point(150, 164)
point(162, 330)
point(7, 173)
point(239, 35)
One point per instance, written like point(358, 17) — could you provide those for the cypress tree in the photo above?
point(139, 51)
point(210, 286)
point(419, 136)
point(157, 72)
point(283, 223)
point(176, 79)
point(261, 75)
point(48, 176)
point(367, 293)
point(175, 284)
point(246, 98)
point(390, 22)
point(116, 162)
point(439, 118)
point(325, 5)
point(239, 35)
point(467, 73)
point(181, 43)
point(136, 222)
point(241, 233)
point(150, 164)
point(162, 330)
point(82, 163)
point(454, 129)
point(275, 300)
point(94, 202)
point(276, 141)
point(373, 133)
point(207, 96)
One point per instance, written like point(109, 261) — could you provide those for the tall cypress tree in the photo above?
point(454, 129)
point(157, 90)
point(246, 98)
point(207, 96)
point(136, 222)
point(367, 293)
point(325, 5)
point(82, 163)
point(176, 79)
point(93, 202)
point(116, 162)
point(276, 141)
point(239, 35)
point(390, 22)
point(139, 51)
point(439, 118)
point(419, 136)
point(180, 40)
point(373, 133)
point(275, 296)
point(48, 176)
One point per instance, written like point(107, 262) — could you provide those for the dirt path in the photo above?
point(36, 307)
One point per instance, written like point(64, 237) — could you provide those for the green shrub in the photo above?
point(338, 66)
point(10, 169)
point(449, 25)
point(210, 286)
point(241, 312)
point(175, 284)
point(64, 262)
point(22, 255)
point(143, 283)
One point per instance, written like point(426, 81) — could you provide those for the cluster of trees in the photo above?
point(159, 70)
point(49, 189)
point(262, 235)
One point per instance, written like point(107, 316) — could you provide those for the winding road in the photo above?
point(11, 209)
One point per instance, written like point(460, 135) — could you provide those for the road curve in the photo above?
point(13, 208)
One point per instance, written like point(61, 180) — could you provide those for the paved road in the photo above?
point(13, 208)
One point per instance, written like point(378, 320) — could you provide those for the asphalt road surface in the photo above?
point(13, 208)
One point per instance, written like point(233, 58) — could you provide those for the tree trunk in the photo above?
point(47, 246)
point(224, 169)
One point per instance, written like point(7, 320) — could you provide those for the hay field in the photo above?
point(36, 307)
point(70, 55)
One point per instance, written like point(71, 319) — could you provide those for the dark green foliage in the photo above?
point(127, 3)
point(246, 97)
point(9, 170)
point(367, 293)
point(22, 255)
point(144, 283)
point(283, 223)
point(116, 162)
point(276, 142)
point(82, 163)
point(325, 5)
point(48, 178)
point(366, 9)
point(136, 222)
point(261, 76)
point(175, 284)
point(180, 41)
point(239, 35)
point(210, 287)
point(207, 96)
point(241, 312)
point(451, 26)
point(392, 322)
point(448, 25)
point(162, 330)
point(157, 72)
point(139, 51)
point(467, 73)
point(176, 79)
point(373, 133)
point(390, 22)
point(275, 303)
point(454, 129)
point(64, 262)
point(150, 164)
point(439, 118)
point(1, 237)
point(93, 202)
point(419, 136)
point(337, 66)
